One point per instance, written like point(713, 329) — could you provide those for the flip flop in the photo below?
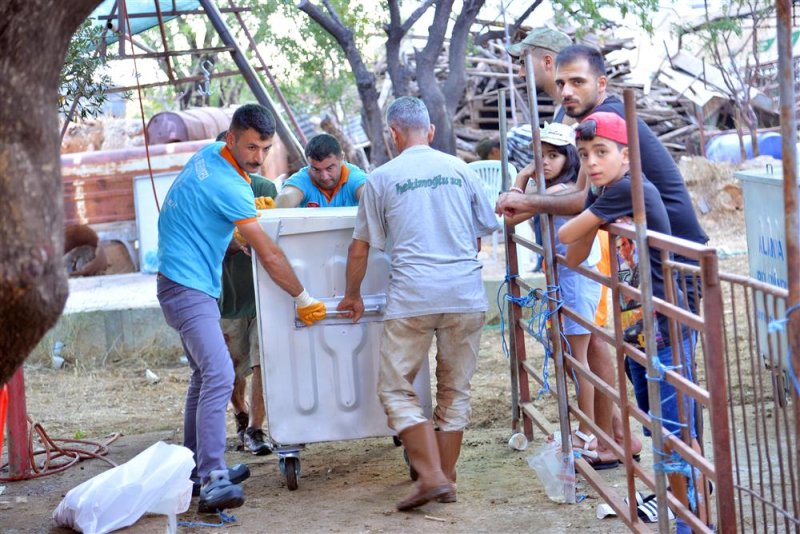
point(602, 466)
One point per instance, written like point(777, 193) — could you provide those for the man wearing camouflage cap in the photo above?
point(546, 43)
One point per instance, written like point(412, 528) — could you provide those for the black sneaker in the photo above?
point(254, 442)
point(219, 493)
point(236, 474)
point(242, 419)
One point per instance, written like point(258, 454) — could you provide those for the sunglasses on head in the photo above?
point(586, 130)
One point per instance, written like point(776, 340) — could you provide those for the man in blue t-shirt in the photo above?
point(209, 198)
point(327, 181)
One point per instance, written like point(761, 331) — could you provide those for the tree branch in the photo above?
point(457, 77)
point(395, 31)
point(411, 20)
point(334, 14)
point(484, 38)
point(365, 79)
point(333, 27)
point(436, 33)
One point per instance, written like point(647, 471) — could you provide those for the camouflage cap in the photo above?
point(547, 38)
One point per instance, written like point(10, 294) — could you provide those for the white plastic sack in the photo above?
point(155, 481)
point(555, 470)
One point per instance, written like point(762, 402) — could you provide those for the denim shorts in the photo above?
point(669, 400)
point(581, 294)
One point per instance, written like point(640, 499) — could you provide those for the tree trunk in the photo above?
point(456, 82)
point(399, 73)
point(443, 100)
point(33, 282)
point(365, 80)
point(429, 89)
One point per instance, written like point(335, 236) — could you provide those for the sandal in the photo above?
point(587, 440)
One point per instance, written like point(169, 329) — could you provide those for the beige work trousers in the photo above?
point(404, 347)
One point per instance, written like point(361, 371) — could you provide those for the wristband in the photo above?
point(304, 299)
point(516, 189)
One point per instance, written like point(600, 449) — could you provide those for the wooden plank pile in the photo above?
point(668, 113)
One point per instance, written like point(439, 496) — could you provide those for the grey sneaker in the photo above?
point(219, 493)
point(236, 474)
point(242, 419)
point(254, 442)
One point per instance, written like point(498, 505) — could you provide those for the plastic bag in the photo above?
point(555, 470)
point(155, 481)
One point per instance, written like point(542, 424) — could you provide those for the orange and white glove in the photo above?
point(237, 235)
point(309, 309)
point(265, 203)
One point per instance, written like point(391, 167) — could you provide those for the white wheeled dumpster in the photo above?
point(320, 382)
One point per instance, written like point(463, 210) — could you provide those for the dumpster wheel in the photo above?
point(290, 466)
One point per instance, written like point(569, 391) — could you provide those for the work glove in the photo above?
point(309, 309)
point(239, 237)
point(265, 203)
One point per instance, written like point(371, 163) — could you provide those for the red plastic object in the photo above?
point(3, 409)
point(18, 454)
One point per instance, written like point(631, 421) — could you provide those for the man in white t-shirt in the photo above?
point(432, 208)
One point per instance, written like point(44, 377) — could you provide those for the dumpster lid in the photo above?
point(767, 174)
point(278, 222)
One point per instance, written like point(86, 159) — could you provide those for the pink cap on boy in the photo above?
point(609, 125)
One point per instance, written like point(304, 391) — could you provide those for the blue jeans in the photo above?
point(669, 400)
point(195, 315)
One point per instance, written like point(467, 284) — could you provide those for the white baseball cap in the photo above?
point(558, 134)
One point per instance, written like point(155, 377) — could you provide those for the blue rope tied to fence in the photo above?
point(674, 463)
point(779, 325)
point(223, 520)
point(661, 370)
point(538, 301)
point(671, 463)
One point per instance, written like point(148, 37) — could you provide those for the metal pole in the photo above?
point(506, 183)
point(715, 367)
point(507, 40)
point(786, 81)
point(646, 288)
point(18, 458)
point(511, 265)
point(549, 258)
point(296, 156)
point(122, 25)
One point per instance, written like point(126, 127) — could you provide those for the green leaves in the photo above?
point(587, 14)
point(82, 82)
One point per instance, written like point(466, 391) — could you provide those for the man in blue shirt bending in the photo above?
point(209, 198)
point(327, 181)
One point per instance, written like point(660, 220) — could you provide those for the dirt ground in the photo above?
point(347, 486)
point(344, 486)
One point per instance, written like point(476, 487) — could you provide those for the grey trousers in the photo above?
point(195, 315)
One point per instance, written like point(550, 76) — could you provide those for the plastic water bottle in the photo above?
point(57, 361)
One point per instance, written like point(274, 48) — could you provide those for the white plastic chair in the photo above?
point(491, 175)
